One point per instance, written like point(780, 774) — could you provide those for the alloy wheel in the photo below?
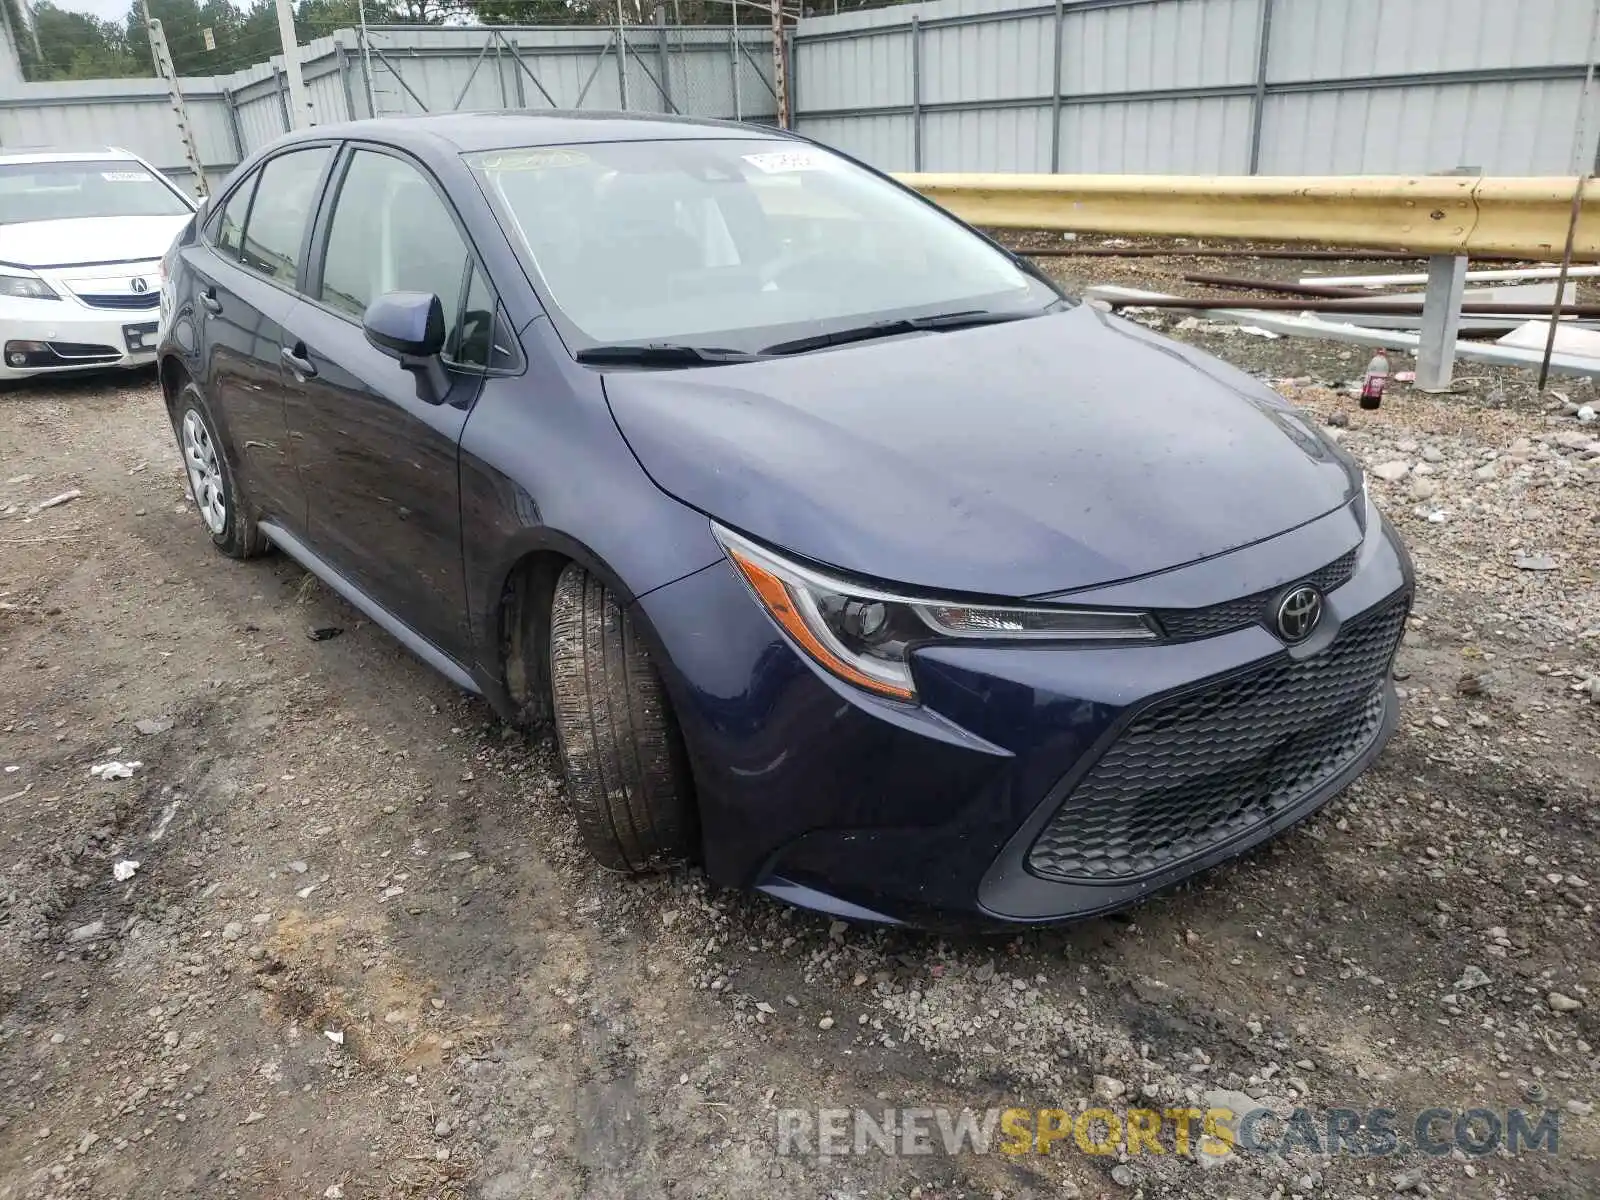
point(205, 472)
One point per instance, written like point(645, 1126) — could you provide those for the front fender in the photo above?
point(545, 472)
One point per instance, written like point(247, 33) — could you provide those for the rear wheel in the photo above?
point(627, 772)
point(216, 494)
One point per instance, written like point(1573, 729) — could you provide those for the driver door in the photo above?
point(380, 464)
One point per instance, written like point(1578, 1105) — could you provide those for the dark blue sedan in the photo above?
point(844, 553)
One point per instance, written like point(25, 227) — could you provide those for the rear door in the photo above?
point(379, 464)
point(245, 273)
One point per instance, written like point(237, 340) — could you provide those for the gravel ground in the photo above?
point(362, 954)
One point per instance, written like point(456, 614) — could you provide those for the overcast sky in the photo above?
point(106, 10)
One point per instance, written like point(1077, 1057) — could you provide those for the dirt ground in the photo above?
point(362, 954)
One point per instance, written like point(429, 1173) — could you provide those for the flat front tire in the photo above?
point(216, 494)
point(627, 773)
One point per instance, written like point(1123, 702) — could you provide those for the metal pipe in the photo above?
point(1287, 287)
point(916, 93)
point(1388, 308)
point(1561, 280)
point(1241, 252)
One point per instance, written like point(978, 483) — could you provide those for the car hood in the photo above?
point(1022, 459)
point(82, 241)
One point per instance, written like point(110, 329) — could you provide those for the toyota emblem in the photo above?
point(1298, 613)
point(138, 286)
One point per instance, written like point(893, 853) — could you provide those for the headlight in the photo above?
point(865, 636)
point(25, 285)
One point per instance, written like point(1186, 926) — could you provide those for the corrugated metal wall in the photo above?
point(1184, 86)
point(1202, 86)
point(699, 70)
point(132, 113)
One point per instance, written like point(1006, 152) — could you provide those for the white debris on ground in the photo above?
point(115, 769)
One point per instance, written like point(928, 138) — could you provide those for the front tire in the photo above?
point(627, 773)
point(223, 512)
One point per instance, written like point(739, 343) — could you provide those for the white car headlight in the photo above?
point(865, 636)
point(24, 285)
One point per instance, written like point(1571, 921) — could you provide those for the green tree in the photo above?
point(74, 45)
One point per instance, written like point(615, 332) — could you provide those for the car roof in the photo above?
point(502, 130)
point(41, 154)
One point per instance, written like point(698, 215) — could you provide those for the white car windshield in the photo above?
point(736, 242)
point(54, 191)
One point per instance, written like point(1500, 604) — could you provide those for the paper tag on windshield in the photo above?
point(781, 162)
point(124, 176)
point(538, 159)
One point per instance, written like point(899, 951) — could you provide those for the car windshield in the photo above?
point(54, 191)
point(736, 243)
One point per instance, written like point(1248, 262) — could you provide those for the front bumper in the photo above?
point(63, 336)
point(933, 814)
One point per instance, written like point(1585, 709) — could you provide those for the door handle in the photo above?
point(209, 299)
point(297, 360)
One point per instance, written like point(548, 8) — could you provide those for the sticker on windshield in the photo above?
point(781, 162)
point(124, 176)
point(533, 160)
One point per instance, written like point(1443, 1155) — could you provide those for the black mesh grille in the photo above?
point(141, 301)
point(83, 350)
point(1196, 770)
point(1189, 623)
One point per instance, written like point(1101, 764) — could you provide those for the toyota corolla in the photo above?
point(844, 553)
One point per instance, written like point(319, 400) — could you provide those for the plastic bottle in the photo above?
point(1373, 383)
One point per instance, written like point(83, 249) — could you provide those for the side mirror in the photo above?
point(409, 327)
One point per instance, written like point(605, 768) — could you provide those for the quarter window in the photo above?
point(390, 232)
point(230, 221)
point(473, 343)
point(284, 199)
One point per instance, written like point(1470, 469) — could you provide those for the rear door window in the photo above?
point(285, 196)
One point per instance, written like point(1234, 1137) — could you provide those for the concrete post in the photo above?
point(299, 100)
point(1441, 317)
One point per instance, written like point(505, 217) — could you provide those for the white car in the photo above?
point(81, 241)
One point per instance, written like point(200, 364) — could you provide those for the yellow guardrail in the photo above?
point(1434, 214)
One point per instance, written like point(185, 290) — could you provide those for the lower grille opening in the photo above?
point(58, 354)
point(1197, 770)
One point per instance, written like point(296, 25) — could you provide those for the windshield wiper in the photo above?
point(663, 354)
point(964, 319)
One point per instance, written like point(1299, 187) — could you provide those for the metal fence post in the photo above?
point(1258, 101)
point(343, 60)
point(234, 135)
point(364, 45)
point(283, 97)
point(622, 60)
point(733, 64)
point(780, 66)
point(1441, 318)
point(793, 77)
point(1055, 95)
point(500, 74)
point(916, 92)
point(516, 72)
point(664, 57)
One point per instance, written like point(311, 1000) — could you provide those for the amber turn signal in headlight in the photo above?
point(865, 636)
